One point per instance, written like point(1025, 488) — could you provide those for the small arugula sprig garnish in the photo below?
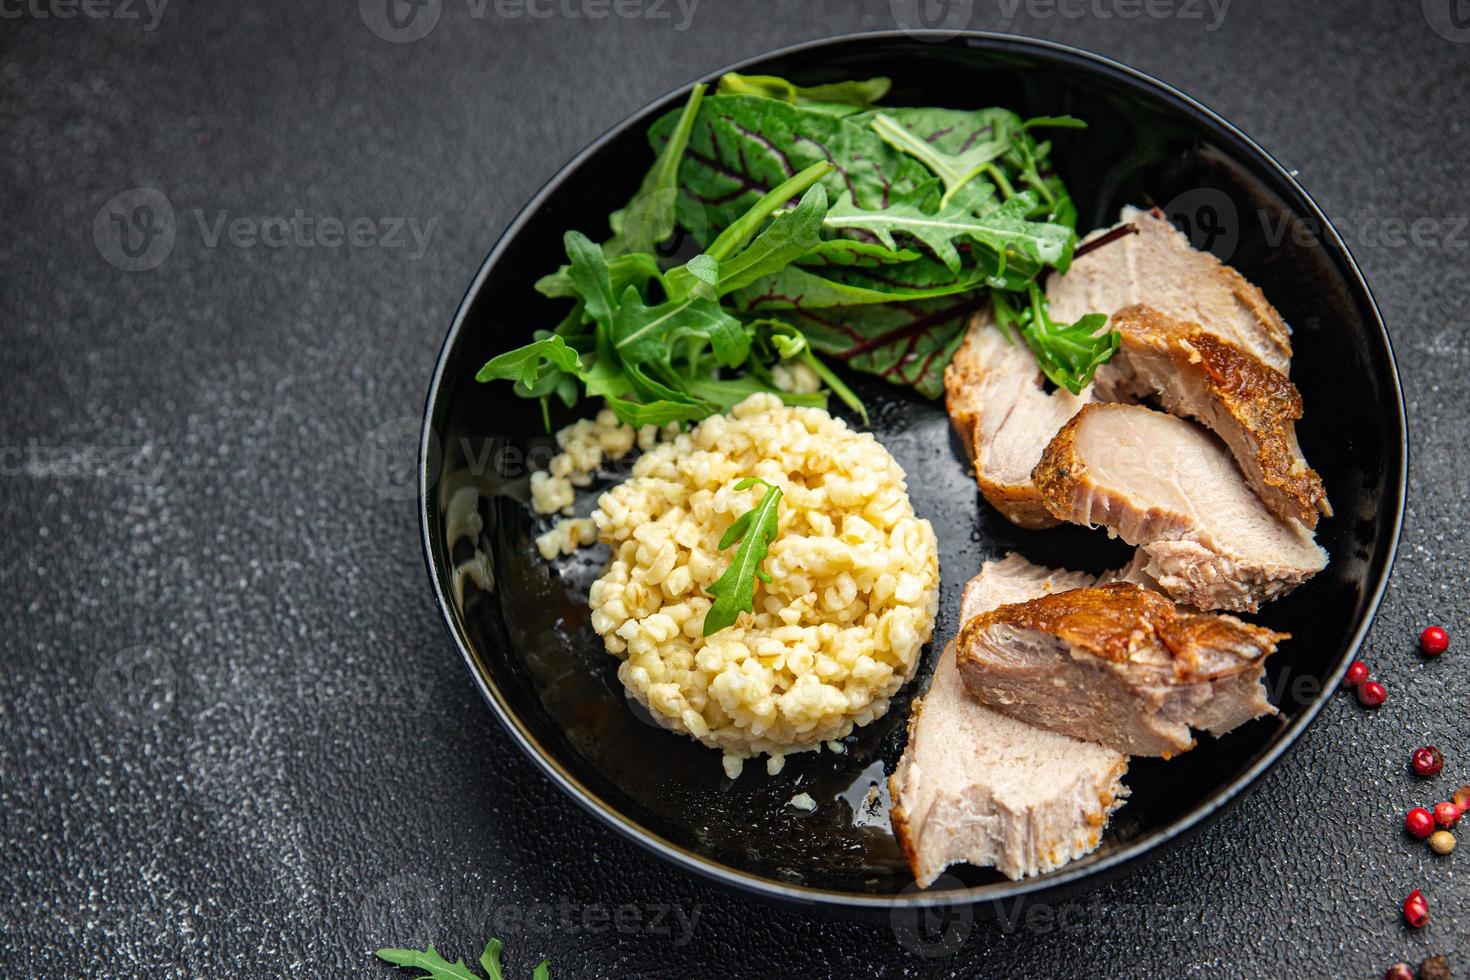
point(436, 967)
point(734, 591)
point(1068, 354)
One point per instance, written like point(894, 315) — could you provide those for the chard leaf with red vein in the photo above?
point(743, 146)
point(904, 343)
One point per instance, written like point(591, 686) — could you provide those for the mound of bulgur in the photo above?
point(852, 598)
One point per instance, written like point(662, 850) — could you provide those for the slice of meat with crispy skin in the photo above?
point(1159, 266)
point(1171, 488)
point(1003, 413)
point(1246, 403)
point(977, 786)
point(1118, 665)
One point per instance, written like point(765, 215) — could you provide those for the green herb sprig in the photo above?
point(1068, 354)
point(436, 967)
point(734, 590)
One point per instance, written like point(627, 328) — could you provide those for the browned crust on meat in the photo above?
point(1259, 398)
point(1253, 299)
point(1060, 471)
point(1020, 503)
point(1022, 506)
point(1122, 622)
point(1246, 292)
point(961, 381)
point(897, 815)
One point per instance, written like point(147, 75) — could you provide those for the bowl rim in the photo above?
point(1150, 844)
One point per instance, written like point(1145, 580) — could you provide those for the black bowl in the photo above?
point(521, 624)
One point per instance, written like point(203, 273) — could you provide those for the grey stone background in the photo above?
point(234, 739)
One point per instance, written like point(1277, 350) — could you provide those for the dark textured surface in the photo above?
point(234, 740)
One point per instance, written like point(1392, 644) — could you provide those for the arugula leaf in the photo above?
point(734, 590)
point(635, 268)
point(646, 333)
point(660, 412)
point(490, 960)
point(589, 273)
point(1068, 354)
point(524, 364)
point(648, 218)
point(436, 967)
point(744, 228)
point(1004, 229)
point(790, 236)
point(955, 170)
point(849, 96)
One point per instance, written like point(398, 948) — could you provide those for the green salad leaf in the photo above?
point(524, 364)
point(832, 229)
point(648, 218)
point(954, 169)
point(1068, 354)
point(433, 966)
point(734, 590)
point(743, 146)
point(907, 343)
point(843, 97)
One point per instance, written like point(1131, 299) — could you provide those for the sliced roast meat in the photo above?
point(1118, 665)
point(1005, 416)
point(1166, 485)
point(1251, 406)
point(978, 786)
point(1157, 265)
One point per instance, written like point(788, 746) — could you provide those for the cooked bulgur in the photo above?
point(853, 592)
